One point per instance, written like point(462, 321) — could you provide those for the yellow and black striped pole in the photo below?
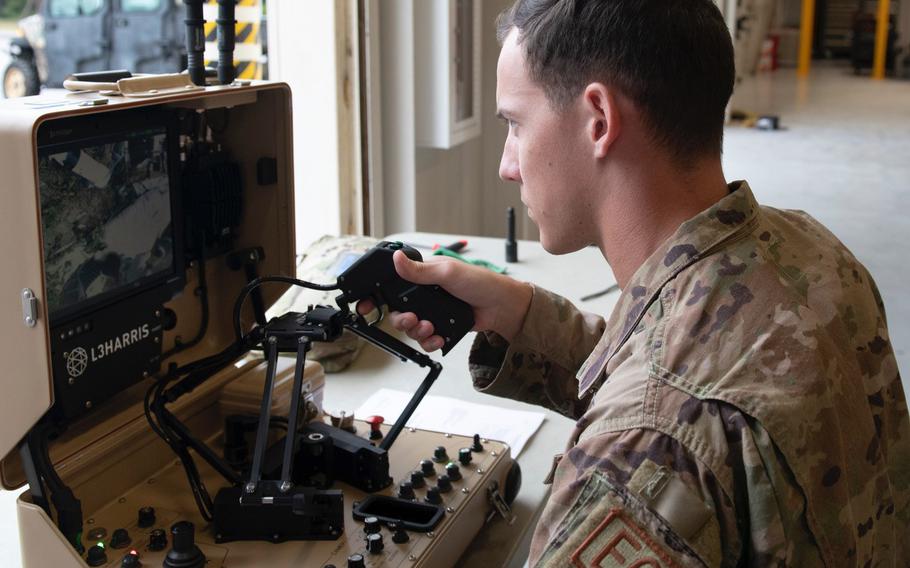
point(248, 48)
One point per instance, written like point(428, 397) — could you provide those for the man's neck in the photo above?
point(648, 206)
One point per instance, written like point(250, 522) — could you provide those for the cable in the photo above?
point(68, 508)
point(203, 293)
point(253, 284)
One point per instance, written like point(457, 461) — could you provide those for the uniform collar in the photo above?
point(695, 239)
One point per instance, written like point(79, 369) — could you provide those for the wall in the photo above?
point(448, 191)
point(302, 49)
point(459, 190)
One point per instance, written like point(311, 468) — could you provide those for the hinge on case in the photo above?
point(29, 308)
point(499, 504)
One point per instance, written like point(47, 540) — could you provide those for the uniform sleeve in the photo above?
point(539, 365)
point(634, 498)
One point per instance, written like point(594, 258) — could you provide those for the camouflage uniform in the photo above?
point(742, 406)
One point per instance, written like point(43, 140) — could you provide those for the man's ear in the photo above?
point(603, 122)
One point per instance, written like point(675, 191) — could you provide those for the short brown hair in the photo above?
point(673, 58)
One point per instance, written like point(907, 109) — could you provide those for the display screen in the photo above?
point(106, 215)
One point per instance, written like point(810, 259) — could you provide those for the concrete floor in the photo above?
point(844, 158)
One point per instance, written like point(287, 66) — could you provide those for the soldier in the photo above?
point(742, 405)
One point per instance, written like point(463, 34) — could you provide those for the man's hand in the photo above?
point(499, 302)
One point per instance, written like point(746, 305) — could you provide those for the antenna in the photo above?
point(226, 28)
point(195, 41)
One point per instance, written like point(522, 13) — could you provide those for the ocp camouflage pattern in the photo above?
point(749, 356)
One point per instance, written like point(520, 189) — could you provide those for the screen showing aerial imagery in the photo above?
point(106, 213)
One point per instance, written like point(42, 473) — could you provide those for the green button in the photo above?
point(397, 245)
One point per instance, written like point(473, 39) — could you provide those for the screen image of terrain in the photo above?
point(106, 215)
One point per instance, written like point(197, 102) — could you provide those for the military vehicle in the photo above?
point(75, 36)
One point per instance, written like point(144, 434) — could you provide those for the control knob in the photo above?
point(405, 490)
point(440, 455)
point(374, 543)
point(356, 561)
point(417, 480)
point(157, 540)
point(426, 466)
point(120, 538)
point(146, 517)
point(433, 496)
point(453, 471)
point(464, 456)
point(131, 560)
point(96, 556)
point(371, 525)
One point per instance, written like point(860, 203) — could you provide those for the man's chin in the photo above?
point(558, 246)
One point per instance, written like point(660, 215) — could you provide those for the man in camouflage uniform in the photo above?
point(742, 405)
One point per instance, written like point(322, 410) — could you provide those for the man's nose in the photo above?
point(508, 166)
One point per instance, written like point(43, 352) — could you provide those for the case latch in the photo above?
point(29, 307)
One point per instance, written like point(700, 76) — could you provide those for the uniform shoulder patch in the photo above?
point(619, 541)
point(609, 527)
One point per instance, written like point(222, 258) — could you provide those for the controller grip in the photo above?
point(452, 318)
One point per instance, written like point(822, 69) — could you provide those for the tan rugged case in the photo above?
point(110, 458)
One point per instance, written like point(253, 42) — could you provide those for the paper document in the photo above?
point(453, 416)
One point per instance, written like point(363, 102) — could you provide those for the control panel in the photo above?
point(470, 481)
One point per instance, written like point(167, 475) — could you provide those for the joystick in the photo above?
point(373, 276)
point(184, 552)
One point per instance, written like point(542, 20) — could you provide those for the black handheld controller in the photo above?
point(373, 276)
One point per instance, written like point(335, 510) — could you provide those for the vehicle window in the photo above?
point(140, 5)
point(73, 8)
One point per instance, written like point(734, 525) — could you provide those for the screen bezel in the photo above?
point(94, 130)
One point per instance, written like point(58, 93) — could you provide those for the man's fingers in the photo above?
point(365, 306)
point(420, 272)
point(432, 343)
point(403, 321)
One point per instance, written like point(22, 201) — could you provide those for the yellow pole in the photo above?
point(881, 39)
point(806, 25)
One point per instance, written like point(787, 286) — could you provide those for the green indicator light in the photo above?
point(100, 544)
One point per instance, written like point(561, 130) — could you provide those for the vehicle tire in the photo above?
point(20, 79)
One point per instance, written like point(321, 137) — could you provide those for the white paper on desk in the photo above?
point(453, 416)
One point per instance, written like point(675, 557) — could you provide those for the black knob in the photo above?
point(476, 446)
point(444, 484)
point(120, 538)
point(184, 553)
point(96, 556)
point(465, 456)
point(374, 543)
point(400, 536)
point(440, 455)
point(453, 471)
point(356, 561)
point(146, 517)
point(426, 466)
point(417, 480)
point(371, 525)
point(157, 540)
point(433, 496)
point(405, 490)
point(131, 560)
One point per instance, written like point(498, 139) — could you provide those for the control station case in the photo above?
point(144, 403)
